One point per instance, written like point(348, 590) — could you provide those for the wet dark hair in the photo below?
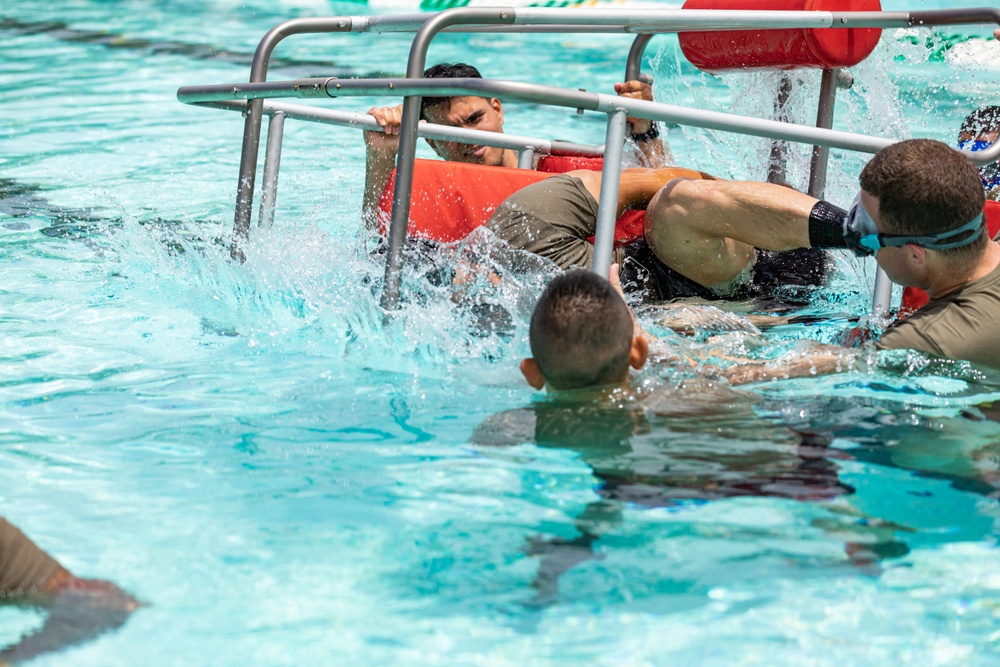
point(445, 71)
point(925, 187)
point(581, 332)
point(983, 119)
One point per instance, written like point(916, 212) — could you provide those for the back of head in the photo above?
point(581, 332)
point(925, 187)
point(984, 120)
point(445, 71)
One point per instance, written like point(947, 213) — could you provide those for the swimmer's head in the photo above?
point(921, 187)
point(582, 335)
point(470, 112)
point(979, 131)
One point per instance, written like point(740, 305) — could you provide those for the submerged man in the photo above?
point(584, 340)
point(475, 113)
point(78, 609)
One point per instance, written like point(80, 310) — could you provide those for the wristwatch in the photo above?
point(652, 133)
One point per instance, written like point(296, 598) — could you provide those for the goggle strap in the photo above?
point(932, 241)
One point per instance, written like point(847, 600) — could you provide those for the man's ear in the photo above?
point(433, 145)
point(639, 353)
point(918, 254)
point(498, 107)
point(532, 373)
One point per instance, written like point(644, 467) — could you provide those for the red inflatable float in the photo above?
point(780, 49)
point(450, 199)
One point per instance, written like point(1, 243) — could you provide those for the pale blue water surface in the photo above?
point(286, 479)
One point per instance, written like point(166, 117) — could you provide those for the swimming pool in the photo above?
point(286, 479)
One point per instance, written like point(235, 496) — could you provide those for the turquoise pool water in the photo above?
point(285, 479)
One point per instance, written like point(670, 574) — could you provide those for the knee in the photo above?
point(679, 196)
point(675, 207)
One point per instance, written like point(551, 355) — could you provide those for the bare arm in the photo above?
point(654, 150)
point(637, 186)
point(380, 159)
point(822, 360)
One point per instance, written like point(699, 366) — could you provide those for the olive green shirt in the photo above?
point(24, 568)
point(962, 325)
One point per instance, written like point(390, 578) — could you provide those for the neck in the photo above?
point(622, 391)
point(948, 283)
point(509, 158)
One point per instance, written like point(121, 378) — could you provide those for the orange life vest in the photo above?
point(450, 199)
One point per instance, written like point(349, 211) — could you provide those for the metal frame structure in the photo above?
point(645, 23)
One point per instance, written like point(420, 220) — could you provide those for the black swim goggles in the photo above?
point(989, 173)
point(863, 237)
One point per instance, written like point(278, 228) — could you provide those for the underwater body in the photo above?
point(285, 476)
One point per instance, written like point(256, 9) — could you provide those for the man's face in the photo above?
point(474, 113)
point(892, 259)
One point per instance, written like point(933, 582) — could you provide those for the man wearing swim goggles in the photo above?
point(919, 213)
point(863, 237)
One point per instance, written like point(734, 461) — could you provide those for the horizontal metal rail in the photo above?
point(363, 121)
point(528, 92)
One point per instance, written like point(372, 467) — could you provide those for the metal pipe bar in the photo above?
point(543, 19)
point(254, 116)
point(526, 160)
point(363, 121)
point(633, 66)
point(824, 118)
point(713, 120)
point(698, 20)
point(272, 163)
point(607, 208)
point(566, 98)
point(882, 294)
point(956, 16)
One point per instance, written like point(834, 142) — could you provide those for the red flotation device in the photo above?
point(780, 49)
point(914, 297)
point(450, 199)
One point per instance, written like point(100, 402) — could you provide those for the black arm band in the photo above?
point(652, 133)
point(826, 226)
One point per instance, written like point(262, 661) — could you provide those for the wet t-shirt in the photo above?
point(961, 325)
point(24, 568)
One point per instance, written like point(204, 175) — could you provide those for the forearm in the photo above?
point(822, 361)
point(654, 152)
point(378, 170)
point(638, 186)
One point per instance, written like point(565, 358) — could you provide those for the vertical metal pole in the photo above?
point(526, 160)
point(883, 294)
point(255, 114)
point(824, 119)
point(776, 168)
point(248, 172)
point(607, 209)
point(272, 162)
point(633, 65)
point(399, 219)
